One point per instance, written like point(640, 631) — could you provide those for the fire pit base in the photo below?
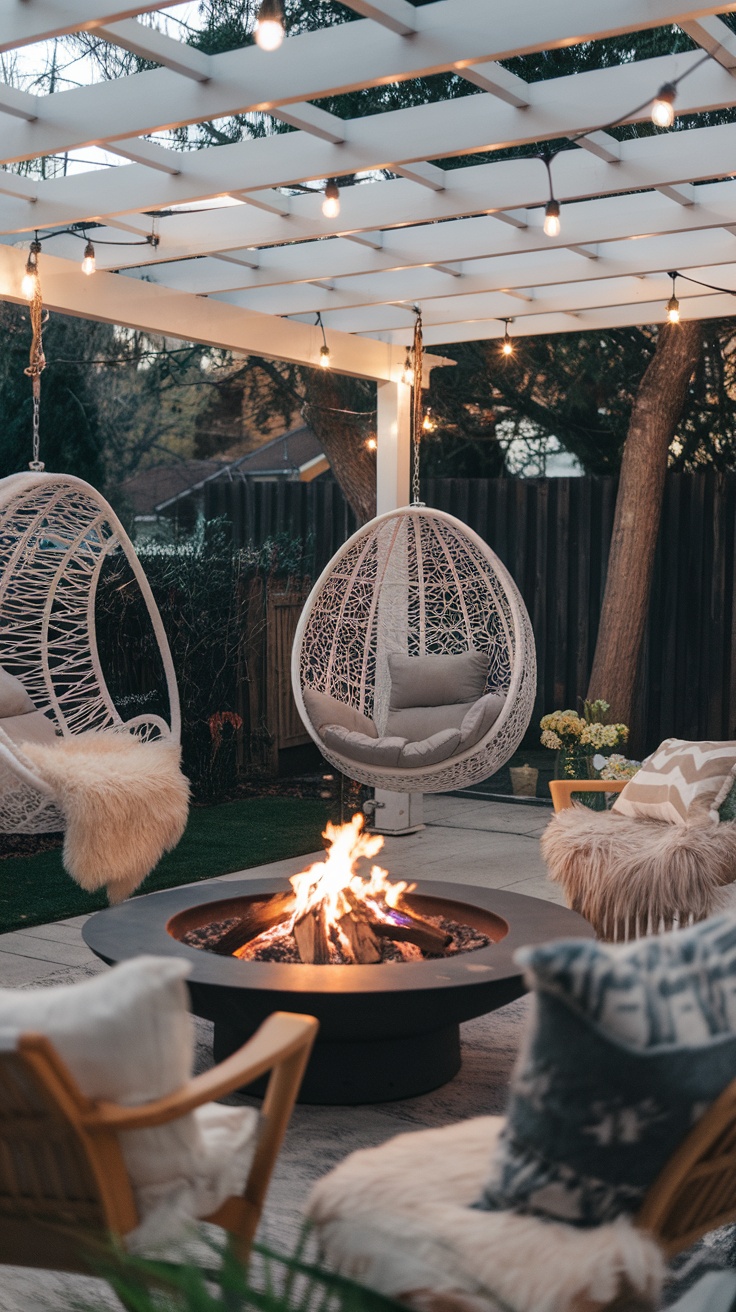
point(346, 1072)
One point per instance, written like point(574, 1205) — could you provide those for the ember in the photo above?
point(336, 917)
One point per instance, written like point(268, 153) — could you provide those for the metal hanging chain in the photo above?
point(36, 366)
point(417, 406)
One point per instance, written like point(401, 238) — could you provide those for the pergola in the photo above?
point(466, 244)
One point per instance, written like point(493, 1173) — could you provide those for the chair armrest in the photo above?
point(281, 1037)
point(563, 789)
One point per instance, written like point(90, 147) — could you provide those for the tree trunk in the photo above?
point(343, 436)
point(654, 418)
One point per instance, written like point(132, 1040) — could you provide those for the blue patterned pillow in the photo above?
point(627, 1047)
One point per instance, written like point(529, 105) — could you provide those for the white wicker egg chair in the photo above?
point(418, 582)
point(56, 533)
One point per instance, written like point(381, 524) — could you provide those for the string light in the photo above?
point(507, 346)
point(371, 444)
point(673, 305)
point(552, 218)
point(324, 353)
point(29, 284)
point(663, 106)
point(428, 423)
point(269, 29)
point(331, 202)
point(407, 373)
point(88, 263)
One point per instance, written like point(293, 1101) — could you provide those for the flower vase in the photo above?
point(571, 762)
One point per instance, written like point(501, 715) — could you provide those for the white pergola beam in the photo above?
point(148, 43)
point(712, 35)
point(19, 104)
point(603, 145)
point(139, 151)
point(427, 175)
point(397, 15)
point(562, 106)
point(312, 119)
point(497, 80)
point(23, 24)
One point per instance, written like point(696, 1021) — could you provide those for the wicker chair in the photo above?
point(64, 1189)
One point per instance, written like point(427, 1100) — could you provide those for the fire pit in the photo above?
point(390, 970)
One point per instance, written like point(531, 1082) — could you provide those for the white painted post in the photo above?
point(396, 813)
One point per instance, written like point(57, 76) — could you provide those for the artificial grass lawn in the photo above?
point(218, 839)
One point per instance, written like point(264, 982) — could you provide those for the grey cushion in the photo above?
point(420, 722)
point(14, 699)
point(480, 718)
point(437, 680)
point(361, 747)
point(430, 750)
point(323, 709)
point(627, 1047)
point(32, 728)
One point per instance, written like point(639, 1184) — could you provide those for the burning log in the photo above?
point(312, 939)
point(259, 917)
point(404, 927)
point(359, 932)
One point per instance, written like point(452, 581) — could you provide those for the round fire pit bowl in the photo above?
point(390, 1030)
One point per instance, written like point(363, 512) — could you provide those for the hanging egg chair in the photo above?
point(57, 535)
point(413, 666)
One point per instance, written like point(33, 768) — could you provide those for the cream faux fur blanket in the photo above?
point(125, 803)
point(399, 1219)
point(630, 877)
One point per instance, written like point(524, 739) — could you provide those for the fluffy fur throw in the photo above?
point(399, 1219)
point(125, 803)
point(632, 877)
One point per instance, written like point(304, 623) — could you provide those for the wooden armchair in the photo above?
point(64, 1188)
point(562, 789)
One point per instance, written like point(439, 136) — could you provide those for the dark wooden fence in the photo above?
point(554, 535)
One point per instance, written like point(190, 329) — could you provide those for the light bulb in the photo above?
point(552, 218)
point(29, 283)
point(507, 346)
point(407, 373)
point(88, 263)
point(269, 28)
point(324, 357)
point(663, 106)
point(673, 310)
point(331, 202)
point(428, 423)
point(371, 444)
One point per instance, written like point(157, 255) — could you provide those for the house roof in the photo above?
point(147, 488)
point(286, 456)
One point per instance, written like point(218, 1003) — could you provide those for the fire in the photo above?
point(327, 884)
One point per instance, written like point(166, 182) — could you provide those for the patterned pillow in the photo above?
point(627, 1048)
point(679, 782)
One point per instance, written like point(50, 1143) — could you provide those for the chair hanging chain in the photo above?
point(35, 368)
point(417, 417)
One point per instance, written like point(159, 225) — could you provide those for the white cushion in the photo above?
point(480, 718)
point(359, 747)
point(34, 727)
point(14, 699)
point(418, 722)
point(127, 1036)
point(679, 782)
point(430, 750)
point(323, 709)
point(437, 680)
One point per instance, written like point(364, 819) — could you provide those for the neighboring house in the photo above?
point(176, 492)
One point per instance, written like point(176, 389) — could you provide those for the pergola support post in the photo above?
point(396, 813)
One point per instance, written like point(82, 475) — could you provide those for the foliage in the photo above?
point(201, 587)
point(618, 767)
point(272, 1282)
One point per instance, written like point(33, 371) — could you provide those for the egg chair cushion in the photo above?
point(430, 750)
point(323, 710)
point(361, 747)
point(14, 699)
point(436, 680)
point(34, 727)
point(418, 722)
point(479, 718)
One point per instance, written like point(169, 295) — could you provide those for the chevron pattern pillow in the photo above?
point(681, 781)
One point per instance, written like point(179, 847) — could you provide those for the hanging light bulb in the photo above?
point(407, 373)
point(269, 29)
point(371, 444)
point(663, 106)
point(428, 423)
point(29, 283)
point(88, 263)
point(552, 218)
point(331, 202)
point(673, 305)
point(324, 357)
point(507, 346)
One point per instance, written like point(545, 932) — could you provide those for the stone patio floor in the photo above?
point(492, 844)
